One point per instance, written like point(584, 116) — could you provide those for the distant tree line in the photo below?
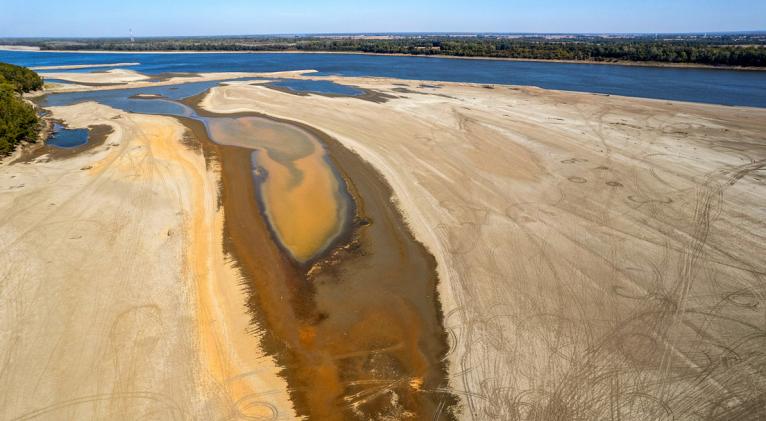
point(637, 51)
point(720, 50)
point(18, 120)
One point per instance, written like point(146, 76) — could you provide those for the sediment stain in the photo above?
point(304, 201)
point(229, 346)
point(359, 332)
point(357, 327)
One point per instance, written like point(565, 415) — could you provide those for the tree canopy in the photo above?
point(22, 79)
point(18, 120)
point(745, 50)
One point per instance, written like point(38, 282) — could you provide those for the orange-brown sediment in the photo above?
point(359, 334)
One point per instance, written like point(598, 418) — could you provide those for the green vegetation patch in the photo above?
point(22, 79)
point(18, 120)
point(742, 50)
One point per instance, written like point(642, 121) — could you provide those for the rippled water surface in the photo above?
point(715, 86)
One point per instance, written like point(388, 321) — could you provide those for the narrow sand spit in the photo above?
point(599, 257)
point(83, 66)
point(95, 81)
point(106, 76)
point(116, 300)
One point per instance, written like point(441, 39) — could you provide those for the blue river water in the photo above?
point(67, 138)
point(715, 86)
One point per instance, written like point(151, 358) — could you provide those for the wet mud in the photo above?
point(359, 331)
point(304, 199)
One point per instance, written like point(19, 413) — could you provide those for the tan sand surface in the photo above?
point(107, 76)
point(116, 301)
point(599, 257)
point(133, 79)
point(18, 48)
point(83, 66)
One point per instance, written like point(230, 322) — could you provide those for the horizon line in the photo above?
point(298, 34)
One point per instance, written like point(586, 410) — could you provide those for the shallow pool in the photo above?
point(67, 138)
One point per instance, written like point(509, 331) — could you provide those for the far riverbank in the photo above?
point(533, 60)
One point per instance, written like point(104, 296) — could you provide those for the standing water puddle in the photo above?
point(67, 138)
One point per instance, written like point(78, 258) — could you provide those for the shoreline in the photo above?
point(308, 74)
point(653, 64)
point(81, 66)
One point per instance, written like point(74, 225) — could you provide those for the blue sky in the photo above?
point(226, 17)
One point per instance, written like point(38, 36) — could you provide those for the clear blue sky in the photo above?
point(225, 17)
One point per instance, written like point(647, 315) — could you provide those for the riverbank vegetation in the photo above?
point(744, 50)
point(18, 120)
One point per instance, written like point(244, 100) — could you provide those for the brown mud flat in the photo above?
point(359, 332)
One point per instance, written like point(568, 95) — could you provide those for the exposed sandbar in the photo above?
point(112, 76)
point(586, 244)
point(83, 66)
point(117, 297)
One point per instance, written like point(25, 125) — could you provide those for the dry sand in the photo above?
point(116, 300)
point(107, 76)
point(18, 48)
point(95, 81)
point(83, 66)
point(599, 257)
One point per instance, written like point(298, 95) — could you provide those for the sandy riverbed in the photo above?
point(117, 301)
point(598, 257)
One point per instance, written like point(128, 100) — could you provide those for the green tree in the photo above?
point(18, 120)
